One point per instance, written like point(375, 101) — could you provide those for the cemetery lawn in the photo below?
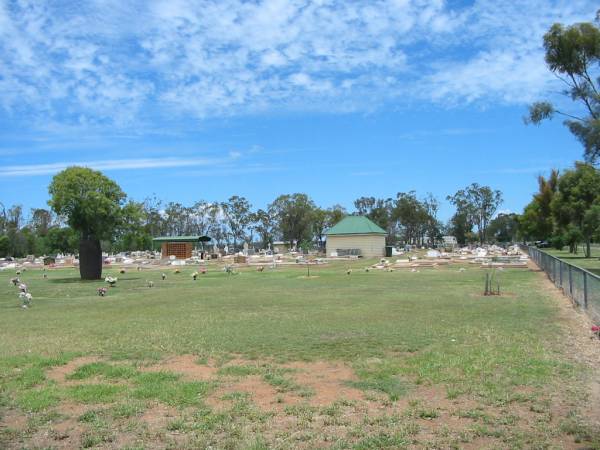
point(278, 360)
point(592, 264)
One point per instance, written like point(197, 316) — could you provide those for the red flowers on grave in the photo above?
point(596, 330)
point(102, 291)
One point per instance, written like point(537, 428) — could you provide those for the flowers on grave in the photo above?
point(177, 271)
point(23, 287)
point(102, 291)
point(15, 281)
point(150, 284)
point(111, 280)
point(194, 276)
point(26, 298)
point(122, 271)
point(202, 270)
point(260, 269)
point(18, 272)
point(596, 331)
point(164, 276)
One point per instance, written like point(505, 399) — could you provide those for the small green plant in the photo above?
point(428, 414)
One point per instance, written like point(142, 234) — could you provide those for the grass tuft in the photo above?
point(104, 370)
point(94, 393)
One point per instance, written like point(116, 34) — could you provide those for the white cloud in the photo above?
point(115, 164)
point(122, 63)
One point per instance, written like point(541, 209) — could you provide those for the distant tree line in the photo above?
point(292, 218)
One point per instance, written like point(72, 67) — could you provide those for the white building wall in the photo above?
point(370, 245)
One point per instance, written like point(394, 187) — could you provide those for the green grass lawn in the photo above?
point(592, 264)
point(422, 359)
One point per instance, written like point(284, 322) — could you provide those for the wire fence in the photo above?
point(582, 286)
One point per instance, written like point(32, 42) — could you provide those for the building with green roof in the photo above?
point(356, 235)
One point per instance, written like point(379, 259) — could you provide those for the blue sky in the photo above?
point(191, 100)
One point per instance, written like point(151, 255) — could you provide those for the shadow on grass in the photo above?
point(79, 280)
point(71, 280)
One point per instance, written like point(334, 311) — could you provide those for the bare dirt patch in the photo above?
point(262, 394)
point(328, 381)
point(185, 365)
point(63, 433)
point(13, 419)
point(157, 417)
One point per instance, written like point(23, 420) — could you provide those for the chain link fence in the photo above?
point(581, 286)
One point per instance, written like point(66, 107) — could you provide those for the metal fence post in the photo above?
point(585, 290)
point(570, 282)
point(561, 271)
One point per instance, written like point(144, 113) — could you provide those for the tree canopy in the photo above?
point(293, 214)
point(573, 55)
point(476, 205)
point(90, 201)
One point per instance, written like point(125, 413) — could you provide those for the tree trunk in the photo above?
point(90, 258)
point(588, 249)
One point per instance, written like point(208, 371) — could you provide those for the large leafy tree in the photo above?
point(132, 232)
point(4, 246)
point(578, 191)
point(41, 220)
point(176, 218)
point(433, 227)
point(91, 204)
point(319, 225)
point(62, 240)
point(294, 215)
point(503, 228)
point(537, 221)
point(154, 216)
point(477, 204)
point(573, 55)
point(217, 228)
point(263, 224)
point(379, 211)
point(324, 219)
point(237, 215)
point(461, 227)
point(335, 214)
point(410, 214)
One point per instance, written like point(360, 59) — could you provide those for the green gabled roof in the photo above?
point(181, 239)
point(355, 225)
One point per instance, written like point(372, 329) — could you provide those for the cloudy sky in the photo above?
point(194, 100)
